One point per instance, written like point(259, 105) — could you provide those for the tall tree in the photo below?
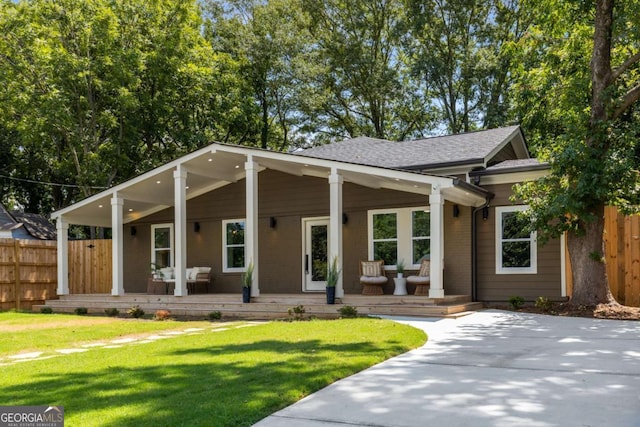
point(579, 93)
point(270, 41)
point(362, 84)
point(462, 50)
point(97, 91)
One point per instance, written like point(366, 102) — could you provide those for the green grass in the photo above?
point(25, 332)
point(233, 377)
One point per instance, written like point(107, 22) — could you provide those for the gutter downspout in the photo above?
point(474, 249)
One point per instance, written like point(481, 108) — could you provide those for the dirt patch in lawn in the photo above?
point(56, 324)
point(600, 311)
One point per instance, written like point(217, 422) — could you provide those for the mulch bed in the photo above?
point(601, 311)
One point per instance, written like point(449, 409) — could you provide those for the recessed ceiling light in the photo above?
point(187, 187)
point(157, 182)
point(209, 159)
point(99, 206)
point(237, 166)
point(130, 209)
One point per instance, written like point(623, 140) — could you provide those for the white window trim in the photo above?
point(404, 235)
point(171, 243)
point(226, 269)
point(533, 269)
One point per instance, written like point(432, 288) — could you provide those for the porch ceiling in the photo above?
point(218, 165)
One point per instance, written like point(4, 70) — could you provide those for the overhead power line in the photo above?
point(55, 184)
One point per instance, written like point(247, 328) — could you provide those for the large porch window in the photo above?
point(162, 245)
point(516, 247)
point(233, 245)
point(400, 234)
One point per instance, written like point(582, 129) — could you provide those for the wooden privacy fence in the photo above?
point(28, 270)
point(622, 240)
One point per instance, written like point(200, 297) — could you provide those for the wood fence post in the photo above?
point(16, 267)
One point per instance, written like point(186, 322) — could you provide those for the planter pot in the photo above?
point(246, 295)
point(400, 275)
point(331, 295)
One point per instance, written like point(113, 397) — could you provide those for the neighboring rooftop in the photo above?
point(479, 147)
point(21, 225)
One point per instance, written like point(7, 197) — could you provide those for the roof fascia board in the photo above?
point(513, 177)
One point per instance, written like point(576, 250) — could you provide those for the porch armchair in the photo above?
point(198, 281)
point(199, 278)
point(422, 280)
point(372, 277)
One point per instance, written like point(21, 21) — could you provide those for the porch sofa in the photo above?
point(198, 281)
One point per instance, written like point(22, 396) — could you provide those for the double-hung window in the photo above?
point(516, 247)
point(162, 245)
point(400, 234)
point(233, 249)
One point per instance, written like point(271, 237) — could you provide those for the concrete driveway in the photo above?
point(491, 368)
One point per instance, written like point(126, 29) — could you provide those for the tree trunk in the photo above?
point(586, 251)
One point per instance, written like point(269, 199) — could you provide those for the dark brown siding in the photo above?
point(289, 199)
point(499, 287)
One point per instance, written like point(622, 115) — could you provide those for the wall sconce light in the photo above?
point(196, 227)
point(456, 211)
point(133, 231)
point(345, 218)
point(485, 213)
point(273, 222)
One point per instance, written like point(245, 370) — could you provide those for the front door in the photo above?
point(315, 233)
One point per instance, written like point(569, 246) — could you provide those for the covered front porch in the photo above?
point(270, 197)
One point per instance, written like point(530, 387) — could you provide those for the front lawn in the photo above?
point(221, 375)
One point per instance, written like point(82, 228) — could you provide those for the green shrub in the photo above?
point(348, 311)
point(516, 302)
point(81, 311)
point(296, 313)
point(544, 304)
point(215, 315)
point(161, 315)
point(135, 311)
point(46, 310)
point(111, 312)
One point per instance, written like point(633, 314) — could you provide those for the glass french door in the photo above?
point(315, 254)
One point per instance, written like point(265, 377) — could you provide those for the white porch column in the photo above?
point(436, 201)
point(180, 227)
point(63, 256)
point(117, 264)
point(335, 225)
point(251, 222)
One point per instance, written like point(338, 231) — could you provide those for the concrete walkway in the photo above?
point(491, 368)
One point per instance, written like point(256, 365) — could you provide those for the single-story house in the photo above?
point(444, 198)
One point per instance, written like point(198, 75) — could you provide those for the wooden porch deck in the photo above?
point(268, 306)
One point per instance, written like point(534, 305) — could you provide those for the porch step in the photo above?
point(274, 306)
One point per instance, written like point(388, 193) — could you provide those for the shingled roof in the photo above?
point(429, 153)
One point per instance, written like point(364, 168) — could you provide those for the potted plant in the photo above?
point(400, 268)
point(155, 271)
point(247, 281)
point(333, 273)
